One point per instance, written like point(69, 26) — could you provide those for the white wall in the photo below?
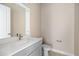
point(58, 24)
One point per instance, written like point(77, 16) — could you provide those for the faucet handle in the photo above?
point(20, 35)
point(9, 33)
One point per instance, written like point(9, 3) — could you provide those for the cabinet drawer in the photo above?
point(28, 50)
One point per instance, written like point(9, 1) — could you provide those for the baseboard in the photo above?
point(62, 52)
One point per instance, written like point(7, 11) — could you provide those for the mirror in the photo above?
point(4, 21)
point(20, 19)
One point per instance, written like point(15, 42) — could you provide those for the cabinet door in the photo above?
point(37, 52)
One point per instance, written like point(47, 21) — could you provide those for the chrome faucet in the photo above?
point(20, 36)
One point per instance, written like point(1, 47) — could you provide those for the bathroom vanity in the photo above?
point(23, 47)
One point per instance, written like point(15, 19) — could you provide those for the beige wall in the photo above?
point(58, 24)
point(76, 29)
point(35, 18)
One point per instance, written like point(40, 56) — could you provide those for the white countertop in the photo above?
point(12, 47)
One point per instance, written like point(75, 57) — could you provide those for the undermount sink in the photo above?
point(13, 40)
point(20, 42)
